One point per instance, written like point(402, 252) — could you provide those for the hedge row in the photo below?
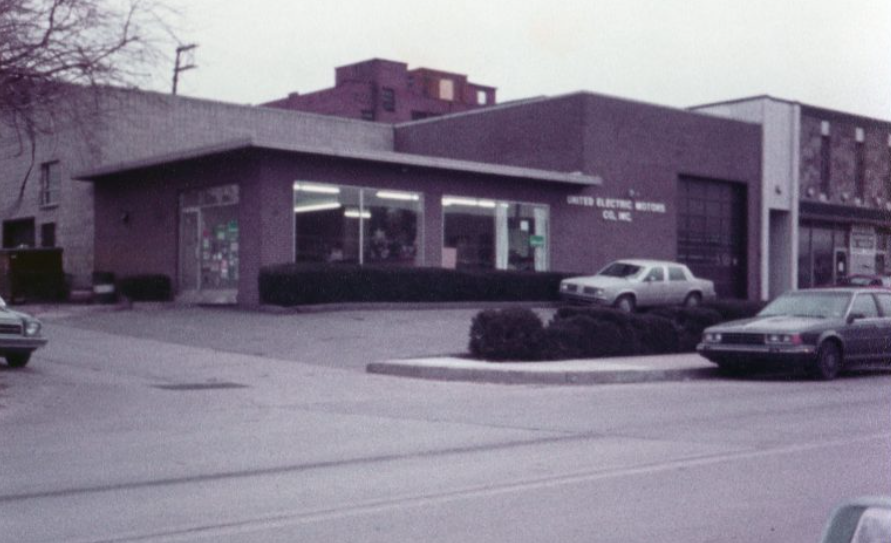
point(591, 332)
point(299, 284)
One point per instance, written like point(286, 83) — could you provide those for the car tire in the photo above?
point(18, 360)
point(694, 299)
point(625, 303)
point(829, 362)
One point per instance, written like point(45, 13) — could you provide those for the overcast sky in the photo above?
point(829, 53)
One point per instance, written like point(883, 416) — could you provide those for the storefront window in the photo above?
point(390, 227)
point(488, 234)
point(340, 224)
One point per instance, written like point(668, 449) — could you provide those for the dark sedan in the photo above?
point(823, 330)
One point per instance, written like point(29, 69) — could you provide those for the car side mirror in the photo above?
point(855, 317)
point(865, 520)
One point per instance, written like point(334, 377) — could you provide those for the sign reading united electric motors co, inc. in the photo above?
point(617, 209)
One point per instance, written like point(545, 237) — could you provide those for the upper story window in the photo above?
point(50, 183)
point(481, 97)
point(860, 164)
point(825, 157)
point(388, 99)
point(446, 89)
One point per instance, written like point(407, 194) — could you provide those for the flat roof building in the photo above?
point(387, 91)
point(826, 192)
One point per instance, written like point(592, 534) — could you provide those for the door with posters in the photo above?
point(208, 246)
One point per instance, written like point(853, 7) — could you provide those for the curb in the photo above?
point(589, 372)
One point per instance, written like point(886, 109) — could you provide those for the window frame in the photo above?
point(49, 196)
point(492, 203)
point(421, 257)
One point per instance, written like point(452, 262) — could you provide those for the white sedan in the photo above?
point(629, 284)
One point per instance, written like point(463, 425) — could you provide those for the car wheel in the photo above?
point(828, 363)
point(625, 304)
point(18, 360)
point(694, 299)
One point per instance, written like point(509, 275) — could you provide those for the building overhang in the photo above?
point(241, 145)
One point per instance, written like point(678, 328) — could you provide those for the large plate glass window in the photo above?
point(340, 224)
point(490, 234)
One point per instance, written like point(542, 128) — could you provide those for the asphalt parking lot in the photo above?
point(347, 339)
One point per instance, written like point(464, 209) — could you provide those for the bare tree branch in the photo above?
point(52, 51)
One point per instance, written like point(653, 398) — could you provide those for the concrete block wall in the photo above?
point(136, 125)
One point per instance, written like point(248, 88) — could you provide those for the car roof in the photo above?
point(646, 262)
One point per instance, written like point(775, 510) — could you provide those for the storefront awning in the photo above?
point(387, 157)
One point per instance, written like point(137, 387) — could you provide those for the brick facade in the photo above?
point(387, 91)
point(843, 163)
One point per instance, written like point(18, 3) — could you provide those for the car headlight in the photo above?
point(783, 339)
point(593, 291)
point(32, 328)
point(712, 337)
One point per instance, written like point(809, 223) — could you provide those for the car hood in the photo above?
point(599, 281)
point(8, 315)
point(780, 324)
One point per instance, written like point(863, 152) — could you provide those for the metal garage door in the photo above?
point(712, 233)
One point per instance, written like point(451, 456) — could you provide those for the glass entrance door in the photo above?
point(209, 245)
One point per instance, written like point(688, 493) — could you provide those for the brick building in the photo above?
point(566, 183)
point(826, 191)
point(387, 91)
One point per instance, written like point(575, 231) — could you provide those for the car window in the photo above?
point(820, 305)
point(656, 274)
point(865, 304)
point(676, 274)
point(884, 304)
point(620, 269)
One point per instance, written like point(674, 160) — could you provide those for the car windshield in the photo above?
point(620, 269)
point(809, 304)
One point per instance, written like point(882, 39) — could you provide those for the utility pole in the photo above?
point(185, 60)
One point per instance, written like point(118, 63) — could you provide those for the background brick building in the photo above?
point(387, 91)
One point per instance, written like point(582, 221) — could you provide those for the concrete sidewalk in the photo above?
point(638, 369)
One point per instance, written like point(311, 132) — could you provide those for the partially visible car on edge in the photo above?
point(823, 330)
point(629, 284)
point(864, 280)
point(20, 335)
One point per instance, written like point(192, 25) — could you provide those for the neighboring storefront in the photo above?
point(676, 186)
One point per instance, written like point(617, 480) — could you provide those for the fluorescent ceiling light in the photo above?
point(470, 202)
point(356, 214)
point(316, 207)
point(319, 189)
point(393, 195)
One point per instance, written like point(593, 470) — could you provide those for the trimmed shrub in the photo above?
point(658, 335)
point(299, 284)
point(580, 336)
point(731, 310)
point(689, 323)
point(506, 334)
point(146, 288)
point(627, 337)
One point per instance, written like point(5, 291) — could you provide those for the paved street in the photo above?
point(210, 425)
